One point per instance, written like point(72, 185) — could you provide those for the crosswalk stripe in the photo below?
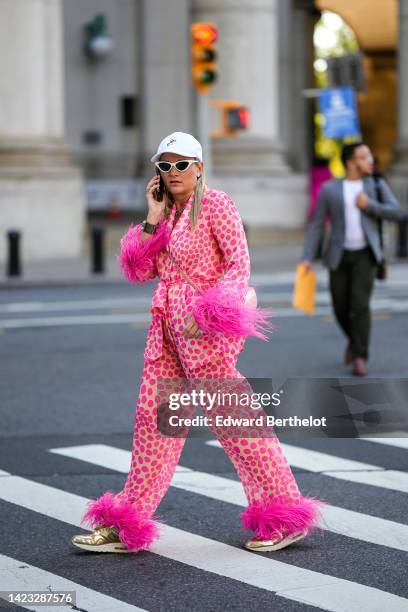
point(338, 520)
point(287, 581)
point(343, 469)
point(398, 442)
point(21, 576)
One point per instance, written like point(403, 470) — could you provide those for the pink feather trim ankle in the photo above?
point(136, 531)
point(267, 518)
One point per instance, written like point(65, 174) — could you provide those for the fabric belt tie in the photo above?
point(154, 344)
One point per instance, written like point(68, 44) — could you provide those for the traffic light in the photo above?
point(98, 42)
point(203, 55)
point(346, 71)
point(233, 118)
point(237, 119)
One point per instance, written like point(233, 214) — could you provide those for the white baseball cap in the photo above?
point(180, 143)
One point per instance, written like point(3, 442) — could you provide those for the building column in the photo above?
point(248, 50)
point(165, 83)
point(400, 166)
point(41, 193)
point(298, 109)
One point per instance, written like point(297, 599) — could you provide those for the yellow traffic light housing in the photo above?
point(204, 55)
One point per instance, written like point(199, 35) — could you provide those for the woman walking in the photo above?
point(193, 240)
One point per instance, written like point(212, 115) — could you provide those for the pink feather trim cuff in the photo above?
point(265, 518)
point(136, 531)
point(221, 309)
point(136, 256)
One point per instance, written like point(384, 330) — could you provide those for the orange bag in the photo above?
point(304, 291)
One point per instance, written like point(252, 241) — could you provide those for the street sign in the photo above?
point(121, 194)
point(339, 109)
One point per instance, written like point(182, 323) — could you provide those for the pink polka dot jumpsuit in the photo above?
point(215, 249)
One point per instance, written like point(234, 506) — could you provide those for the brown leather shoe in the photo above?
point(348, 355)
point(360, 367)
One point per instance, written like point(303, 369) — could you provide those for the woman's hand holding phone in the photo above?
point(155, 206)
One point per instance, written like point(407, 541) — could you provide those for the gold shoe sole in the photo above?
point(103, 548)
point(270, 546)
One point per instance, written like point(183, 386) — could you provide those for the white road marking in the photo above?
point(379, 306)
point(103, 319)
point(344, 469)
point(322, 297)
point(291, 582)
point(68, 305)
point(21, 576)
point(339, 520)
point(398, 277)
point(397, 442)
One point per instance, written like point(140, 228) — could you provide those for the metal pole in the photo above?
point(402, 245)
point(13, 264)
point(203, 129)
point(97, 250)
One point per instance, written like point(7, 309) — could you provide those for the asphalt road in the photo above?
point(71, 361)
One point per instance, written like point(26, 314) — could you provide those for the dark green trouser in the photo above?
point(351, 285)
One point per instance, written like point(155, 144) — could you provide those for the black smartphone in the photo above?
point(160, 190)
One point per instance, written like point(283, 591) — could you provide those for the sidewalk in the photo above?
point(66, 272)
point(276, 257)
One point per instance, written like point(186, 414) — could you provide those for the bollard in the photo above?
point(97, 250)
point(402, 244)
point(13, 264)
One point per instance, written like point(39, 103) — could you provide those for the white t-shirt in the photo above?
point(354, 237)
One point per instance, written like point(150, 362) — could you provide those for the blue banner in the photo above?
point(339, 109)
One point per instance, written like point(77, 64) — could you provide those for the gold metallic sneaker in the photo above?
point(257, 545)
point(102, 539)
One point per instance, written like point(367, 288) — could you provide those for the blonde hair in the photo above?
point(196, 206)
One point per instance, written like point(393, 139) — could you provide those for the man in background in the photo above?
point(353, 251)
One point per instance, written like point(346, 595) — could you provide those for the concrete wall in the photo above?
point(94, 87)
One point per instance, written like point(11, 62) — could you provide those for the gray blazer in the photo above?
point(331, 202)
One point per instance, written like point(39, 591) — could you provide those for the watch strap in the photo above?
point(149, 228)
